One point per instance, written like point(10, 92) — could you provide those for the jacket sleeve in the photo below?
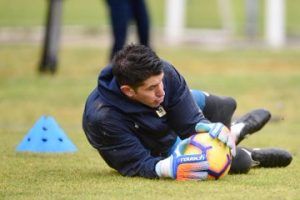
point(183, 112)
point(120, 149)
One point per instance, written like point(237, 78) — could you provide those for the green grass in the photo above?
point(254, 78)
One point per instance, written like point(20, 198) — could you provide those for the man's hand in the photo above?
point(183, 167)
point(218, 130)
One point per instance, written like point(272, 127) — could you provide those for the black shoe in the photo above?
point(253, 121)
point(242, 162)
point(271, 157)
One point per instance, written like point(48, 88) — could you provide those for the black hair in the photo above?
point(134, 64)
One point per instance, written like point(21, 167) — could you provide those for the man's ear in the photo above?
point(127, 90)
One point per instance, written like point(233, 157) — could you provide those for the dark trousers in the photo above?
point(121, 13)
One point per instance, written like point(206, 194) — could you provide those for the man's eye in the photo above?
point(151, 88)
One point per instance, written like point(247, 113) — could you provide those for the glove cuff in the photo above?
point(164, 168)
point(202, 127)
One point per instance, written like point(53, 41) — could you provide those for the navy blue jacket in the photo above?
point(130, 136)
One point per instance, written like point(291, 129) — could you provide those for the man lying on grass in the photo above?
point(142, 109)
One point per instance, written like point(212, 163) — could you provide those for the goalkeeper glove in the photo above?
point(218, 130)
point(183, 167)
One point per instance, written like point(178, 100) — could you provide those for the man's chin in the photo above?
point(156, 105)
point(153, 105)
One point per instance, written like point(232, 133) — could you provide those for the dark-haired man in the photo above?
point(142, 111)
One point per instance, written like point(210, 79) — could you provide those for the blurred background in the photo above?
point(213, 24)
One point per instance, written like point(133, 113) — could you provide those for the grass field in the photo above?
point(254, 78)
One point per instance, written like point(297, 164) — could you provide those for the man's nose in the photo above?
point(160, 91)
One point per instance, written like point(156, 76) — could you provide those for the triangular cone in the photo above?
point(46, 136)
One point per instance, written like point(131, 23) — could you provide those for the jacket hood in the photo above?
point(110, 93)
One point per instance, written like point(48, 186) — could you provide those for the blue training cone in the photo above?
point(46, 137)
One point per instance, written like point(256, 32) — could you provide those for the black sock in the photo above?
point(219, 109)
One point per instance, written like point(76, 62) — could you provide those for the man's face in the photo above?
point(151, 93)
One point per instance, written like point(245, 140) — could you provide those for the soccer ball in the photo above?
point(217, 154)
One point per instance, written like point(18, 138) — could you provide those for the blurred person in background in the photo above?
point(122, 12)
